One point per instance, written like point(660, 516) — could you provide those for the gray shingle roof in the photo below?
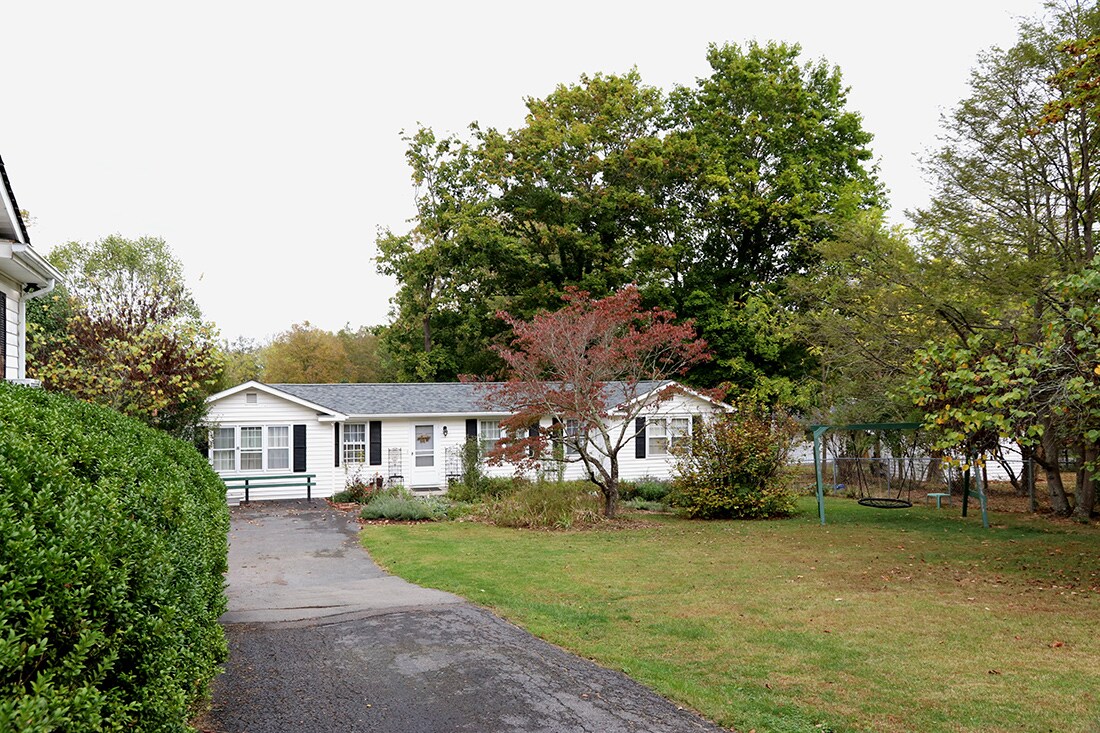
point(417, 399)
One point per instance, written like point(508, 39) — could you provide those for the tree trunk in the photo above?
point(1086, 484)
point(1046, 455)
point(611, 492)
point(1027, 456)
point(1017, 481)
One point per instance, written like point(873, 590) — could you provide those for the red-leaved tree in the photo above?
point(589, 366)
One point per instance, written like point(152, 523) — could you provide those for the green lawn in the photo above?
point(883, 620)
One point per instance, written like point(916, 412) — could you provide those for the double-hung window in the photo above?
point(355, 443)
point(488, 434)
point(223, 449)
point(665, 433)
point(679, 432)
point(573, 437)
point(250, 448)
point(278, 447)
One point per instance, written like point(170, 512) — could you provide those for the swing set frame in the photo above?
point(819, 432)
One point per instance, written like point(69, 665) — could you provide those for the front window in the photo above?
point(679, 432)
point(665, 433)
point(223, 449)
point(488, 434)
point(252, 449)
point(355, 443)
point(278, 447)
point(572, 437)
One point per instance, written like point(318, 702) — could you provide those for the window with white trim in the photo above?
point(278, 447)
point(223, 449)
point(488, 433)
point(666, 433)
point(250, 448)
point(355, 443)
point(572, 433)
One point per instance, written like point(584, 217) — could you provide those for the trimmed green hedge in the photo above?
point(114, 543)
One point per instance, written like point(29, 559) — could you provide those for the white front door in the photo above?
point(425, 471)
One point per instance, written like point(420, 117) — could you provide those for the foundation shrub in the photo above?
point(733, 466)
point(113, 542)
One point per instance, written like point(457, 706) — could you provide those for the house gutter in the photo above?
point(36, 264)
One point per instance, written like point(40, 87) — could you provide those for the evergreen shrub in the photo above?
point(113, 542)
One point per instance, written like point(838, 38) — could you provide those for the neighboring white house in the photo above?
point(24, 275)
point(408, 434)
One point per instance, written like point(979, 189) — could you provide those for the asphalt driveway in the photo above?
point(322, 640)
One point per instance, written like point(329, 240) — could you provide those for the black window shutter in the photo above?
point(299, 449)
point(532, 432)
point(336, 440)
point(639, 437)
point(471, 428)
point(375, 442)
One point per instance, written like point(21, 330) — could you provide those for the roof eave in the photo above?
point(11, 206)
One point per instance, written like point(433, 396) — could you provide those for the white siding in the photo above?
point(397, 435)
point(10, 368)
point(234, 410)
point(660, 466)
point(397, 444)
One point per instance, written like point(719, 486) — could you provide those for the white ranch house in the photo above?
point(407, 434)
point(24, 275)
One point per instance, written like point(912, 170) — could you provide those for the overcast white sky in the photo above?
point(262, 139)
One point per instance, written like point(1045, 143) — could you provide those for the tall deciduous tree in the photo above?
point(706, 201)
point(786, 164)
point(1016, 202)
point(368, 360)
point(1040, 393)
point(864, 310)
point(442, 314)
point(242, 360)
point(561, 364)
point(306, 354)
point(133, 337)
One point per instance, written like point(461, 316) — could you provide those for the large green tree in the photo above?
point(442, 314)
point(706, 199)
point(863, 310)
point(1014, 210)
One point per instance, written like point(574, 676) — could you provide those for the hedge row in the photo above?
point(111, 570)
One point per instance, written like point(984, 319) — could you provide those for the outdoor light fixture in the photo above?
point(444, 431)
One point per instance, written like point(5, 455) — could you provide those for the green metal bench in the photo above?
point(280, 481)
